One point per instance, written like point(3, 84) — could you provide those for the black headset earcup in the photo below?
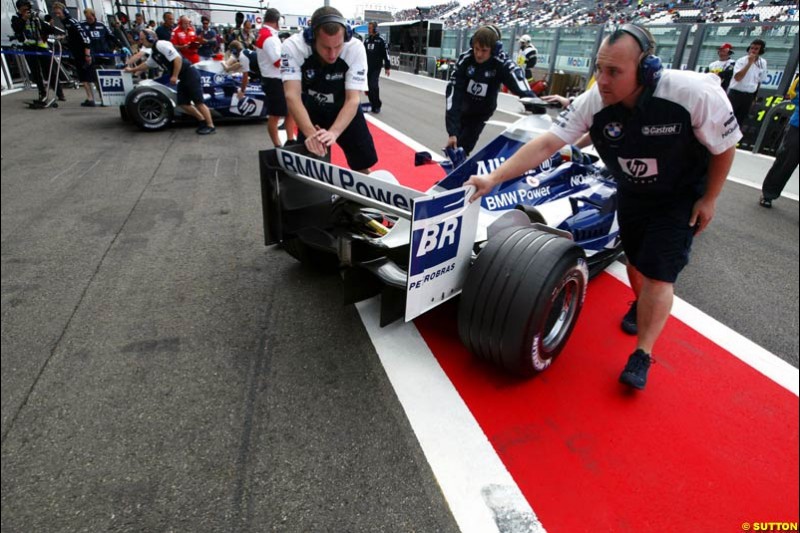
point(308, 35)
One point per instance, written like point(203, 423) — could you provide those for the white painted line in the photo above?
point(475, 483)
point(753, 185)
point(54, 178)
point(742, 348)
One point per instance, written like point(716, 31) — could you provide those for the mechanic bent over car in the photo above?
point(190, 89)
point(324, 72)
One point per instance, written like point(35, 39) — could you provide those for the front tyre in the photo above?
point(522, 298)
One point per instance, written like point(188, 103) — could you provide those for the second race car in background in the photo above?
point(153, 104)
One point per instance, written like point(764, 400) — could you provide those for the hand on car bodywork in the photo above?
point(482, 184)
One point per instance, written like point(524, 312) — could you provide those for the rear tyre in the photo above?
point(522, 298)
point(149, 109)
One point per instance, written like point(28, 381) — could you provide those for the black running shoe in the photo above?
point(629, 325)
point(206, 130)
point(635, 373)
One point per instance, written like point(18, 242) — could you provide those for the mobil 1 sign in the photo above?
point(443, 230)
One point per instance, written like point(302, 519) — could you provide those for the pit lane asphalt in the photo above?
point(163, 371)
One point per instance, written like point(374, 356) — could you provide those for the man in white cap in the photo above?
point(527, 56)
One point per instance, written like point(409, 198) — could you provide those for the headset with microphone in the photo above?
point(498, 46)
point(310, 31)
point(650, 66)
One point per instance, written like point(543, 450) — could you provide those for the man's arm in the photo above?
point(514, 79)
point(176, 69)
point(387, 64)
point(294, 100)
point(454, 95)
point(529, 156)
point(351, 103)
point(704, 209)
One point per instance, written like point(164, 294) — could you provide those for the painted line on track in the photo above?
point(481, 493)
point(736, 344)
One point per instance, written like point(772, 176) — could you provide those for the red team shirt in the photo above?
point(189, 36)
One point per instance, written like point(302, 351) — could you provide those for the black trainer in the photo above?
point(629, 324)
point(635, 373)
point(206, 130)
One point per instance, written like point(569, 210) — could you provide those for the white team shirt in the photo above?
point(296, 50)
point(752, 79)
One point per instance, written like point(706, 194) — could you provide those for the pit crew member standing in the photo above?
point(32, 32)
point(472, 91)
point(80, 47)
point(268, 50)
point(724, 66)
point(184, 38)
point(190, 88)
point(103, 41)
point(669, 138)
point(527, 56)
point(324, 73)
point(748, 73)
point(377, 58)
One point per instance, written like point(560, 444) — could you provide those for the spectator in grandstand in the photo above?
point(786, 160)
point(103, 41)
point(324, 73)
point(164, 31)
point(527, 56)
point(668, 137)
point(723, 67)
point(80, 47)
point(471, 95)
point(207, 39)
point(748, 73)
point(184, 39)
point(377, 59)
point(268, 52)
point(190, 89)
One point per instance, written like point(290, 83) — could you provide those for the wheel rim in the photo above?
point(562, 313)
point(151, 110)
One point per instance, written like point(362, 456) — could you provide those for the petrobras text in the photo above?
point(443, 228)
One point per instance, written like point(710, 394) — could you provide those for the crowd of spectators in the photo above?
point(435, 12)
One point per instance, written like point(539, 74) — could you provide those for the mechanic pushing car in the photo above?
point(324, 73)
point(472, 91)
point(190, 89)
point(669, 138)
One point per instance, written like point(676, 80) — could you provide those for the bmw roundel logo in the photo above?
point(470, 71)
point(310, 74)
point(219, 79)
point(613, 131)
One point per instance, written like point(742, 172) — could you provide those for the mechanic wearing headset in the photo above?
point(472, 91)
point(748, 73)
point(324, 73)
point(669, 138)
point(190, 89)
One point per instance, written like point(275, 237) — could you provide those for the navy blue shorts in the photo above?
point(276, 99)
point(190, 88)
point(356, 140)
point(656, 235)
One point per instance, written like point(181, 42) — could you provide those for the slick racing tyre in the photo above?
point(522, 298)
point(149, 109)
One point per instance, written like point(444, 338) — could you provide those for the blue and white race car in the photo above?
point(153, 104)
point(520, 259)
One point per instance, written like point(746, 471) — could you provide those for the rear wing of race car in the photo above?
point(114, 85)
point(421, 262)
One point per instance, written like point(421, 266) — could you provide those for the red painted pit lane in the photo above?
point(709, 445)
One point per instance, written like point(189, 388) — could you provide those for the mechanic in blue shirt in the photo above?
point(190, 89)
point(324, 72)
point(103, 41)
point(786, 160)
point(472, 91)
point(377, 58)
point(669, 138)
point(208, 36)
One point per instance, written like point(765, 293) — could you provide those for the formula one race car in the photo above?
point(153, 104)
point(520, 258)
